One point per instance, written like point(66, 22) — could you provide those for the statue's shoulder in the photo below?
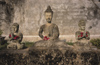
point(42, 26)
point(87, 32)
point(54, 25)
point(20, 34)
point(77, 32)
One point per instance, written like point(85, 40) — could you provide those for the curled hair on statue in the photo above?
point(82, 23)
point(49, 10)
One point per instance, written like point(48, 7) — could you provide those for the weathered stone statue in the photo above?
point(49, 33)
point(50, 30)
point(82, 36)
point(15, 38)
point(82, 33)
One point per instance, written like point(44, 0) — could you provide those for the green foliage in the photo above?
point(70, 43)
point(28, 44)
point(96, 42)
point(3, 46)
point(1, 32)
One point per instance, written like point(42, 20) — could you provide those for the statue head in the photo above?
point(48, 14)
point(15, 28)
point(81, 25)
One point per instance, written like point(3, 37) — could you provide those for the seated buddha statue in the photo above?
point(50, 30)
point(15, 38)
point(82, 34)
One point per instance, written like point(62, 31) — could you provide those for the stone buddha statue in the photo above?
point(82, 37)
point(82, 34)
point(15, 38)
point(50, 30)
point(49, 33)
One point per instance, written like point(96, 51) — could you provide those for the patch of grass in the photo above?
point(70, 43)
point(95, 42)
point(28, 44)
point(1, 32)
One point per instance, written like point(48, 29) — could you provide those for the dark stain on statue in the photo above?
point(16, 2)
point(8, 8)
point(9, 13)
point(2, 2)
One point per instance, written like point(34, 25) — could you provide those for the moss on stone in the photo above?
point(96, 42)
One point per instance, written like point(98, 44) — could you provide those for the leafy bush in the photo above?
point(70, 43)
point(1, 32)
point(95, 42)
point(3, 46)
point(28, 44)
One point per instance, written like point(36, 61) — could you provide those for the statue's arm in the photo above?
point(77, 35)
point(87, 35)
point(40, 32)
point(11, 36)
point(55, 32)
point(20, 37)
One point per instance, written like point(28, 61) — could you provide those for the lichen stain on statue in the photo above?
point(15, 38)
point(49, 32)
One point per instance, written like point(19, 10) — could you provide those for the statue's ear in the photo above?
point(52, 15)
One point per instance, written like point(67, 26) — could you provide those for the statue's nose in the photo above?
point(49, 18)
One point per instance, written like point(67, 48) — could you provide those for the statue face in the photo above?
point(14, 29)
point(48, 16)
point(82, 28)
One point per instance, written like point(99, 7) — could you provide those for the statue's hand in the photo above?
point(51, 38)
point(45, 38)
point(12, 36)
point(83, 36)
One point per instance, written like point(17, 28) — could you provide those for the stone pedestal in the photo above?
point(83, 41)
point(51, 55)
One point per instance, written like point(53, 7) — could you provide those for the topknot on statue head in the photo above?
point(49, 10)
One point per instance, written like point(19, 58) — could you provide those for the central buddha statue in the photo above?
point(50, 30)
